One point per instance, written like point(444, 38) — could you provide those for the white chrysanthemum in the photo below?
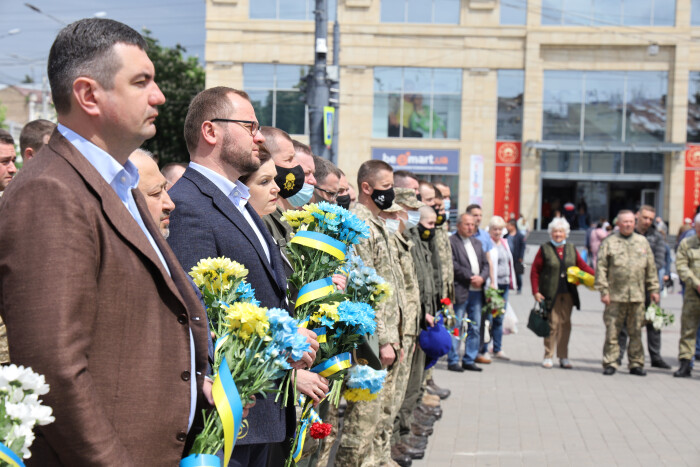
point(21, 432)
point(10, 373)
point(34, 382)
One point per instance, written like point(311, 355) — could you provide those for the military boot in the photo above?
point(436, 390)
point(400, 458)
point(410, 451)
point(685, 370)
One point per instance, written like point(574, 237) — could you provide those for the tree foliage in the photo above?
point(180, 79)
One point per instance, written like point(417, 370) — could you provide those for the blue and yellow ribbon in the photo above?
point(7, 455)
point(200, 460)
point(220, 342)
point(228, 404)
point(314, 290)
point(321, 242)
point(308, 416)
point(333, 365)
point(320, 334)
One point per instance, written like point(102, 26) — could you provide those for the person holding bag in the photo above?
point(550, 285)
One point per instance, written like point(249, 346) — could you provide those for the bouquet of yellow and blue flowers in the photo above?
point(364, 383)
point(253, 348)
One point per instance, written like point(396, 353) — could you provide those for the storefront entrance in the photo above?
point(583, 203)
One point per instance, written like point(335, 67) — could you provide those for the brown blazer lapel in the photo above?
point(115, 211)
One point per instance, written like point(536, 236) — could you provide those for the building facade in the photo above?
point(523, 106)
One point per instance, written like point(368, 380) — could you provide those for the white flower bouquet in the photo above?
point(658, 317)
point(21, 410)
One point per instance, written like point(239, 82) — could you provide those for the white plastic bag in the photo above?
point(510, 321)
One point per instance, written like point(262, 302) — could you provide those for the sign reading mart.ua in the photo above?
point(422, 161)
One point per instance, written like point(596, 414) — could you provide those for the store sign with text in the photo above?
point(506, 202)
point(692, 180)
point(420, 161)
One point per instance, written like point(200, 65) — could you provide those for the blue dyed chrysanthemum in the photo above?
point(365, 377)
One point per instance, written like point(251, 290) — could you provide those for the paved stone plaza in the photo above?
point(518, 413)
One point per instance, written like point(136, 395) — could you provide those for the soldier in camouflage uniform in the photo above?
point(442, 240)
point(625, 272)
point(688, 267)
point(364, 441)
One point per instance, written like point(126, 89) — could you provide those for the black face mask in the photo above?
point(383, 198)
point(419, 197)
point(441, 218)
point(290, 181)
point(343, 201)
point(426, 234)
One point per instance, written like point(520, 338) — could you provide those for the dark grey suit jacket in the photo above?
point(205, 223)
point(462, 266)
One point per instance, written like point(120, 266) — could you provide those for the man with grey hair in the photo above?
point(625, 273)
point(152, 184)
point(327, 177)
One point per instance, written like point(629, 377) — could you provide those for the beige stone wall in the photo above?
point(480, 47)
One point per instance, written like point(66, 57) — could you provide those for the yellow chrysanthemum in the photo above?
point(328, 310)
point(357, 394)
point(246, 319)
point(381, 292)
point(297, 218)
point(217, 274)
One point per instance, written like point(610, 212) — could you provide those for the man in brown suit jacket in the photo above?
point(91, 294)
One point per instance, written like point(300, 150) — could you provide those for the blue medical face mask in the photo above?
point(302, 197)
point(448, 204)
point(563, 242)
point(413, 219)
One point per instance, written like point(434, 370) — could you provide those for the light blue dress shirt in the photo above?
point(485, 239)
point(238, 193)
point(124, 178)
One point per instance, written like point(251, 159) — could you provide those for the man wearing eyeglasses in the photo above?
point(213, 218)
point(327, 177)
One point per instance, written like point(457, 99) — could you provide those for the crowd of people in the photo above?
point(97, 242)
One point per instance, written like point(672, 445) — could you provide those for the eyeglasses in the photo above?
point(254, 126)
point(332, 194)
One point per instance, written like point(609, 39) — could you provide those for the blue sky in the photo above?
point(25, 53)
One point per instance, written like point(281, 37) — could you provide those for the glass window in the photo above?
point(562, 105)
point(603, 112)
point(513, 12)
point(560, 161)
point(609, 12)
point(417, 102)
point(644, 163)
point(693, 133)
point(420, 11)
point(275, 95)
point(511, 84)
point(695, 12)
point(619, 106)
point(646, 106)
point(288, 9)
point(602, 162)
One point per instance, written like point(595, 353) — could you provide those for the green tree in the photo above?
point(180, 79)
point(3, 111)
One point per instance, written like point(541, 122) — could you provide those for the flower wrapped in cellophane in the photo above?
point(20, 411)
point(658, 317)
point(494, 303)
point(254, 346)
point(363, 383)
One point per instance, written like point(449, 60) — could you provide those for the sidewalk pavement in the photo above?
point(517, 413)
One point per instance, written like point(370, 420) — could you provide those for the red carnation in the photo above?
point(456, 332)
point(446, 301)
point(320, 430)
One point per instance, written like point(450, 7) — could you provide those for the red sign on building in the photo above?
point(506, 201)
point(692, 181)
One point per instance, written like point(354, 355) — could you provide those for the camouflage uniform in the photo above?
point(442, 240)
point(625, 271)
point(4, 349)
point(410, 326)
point(688, 267)
point(363, 441)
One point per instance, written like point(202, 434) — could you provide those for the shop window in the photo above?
point(513, 12)
point(605, 106)
point(275, 95)
point(695, 12)
point(693, 133)
point(417, 103)
point(560, 161)
point(420, 11)
point(608, 12)
point(511, 84)
point(302, 10)
point(644, 163)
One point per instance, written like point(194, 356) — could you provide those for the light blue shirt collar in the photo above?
point(236, 191)
point(122, 178)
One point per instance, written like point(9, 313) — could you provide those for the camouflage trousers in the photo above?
point(393, 406)
point(361, 434)
point(690, 319)
point(414, 391)
point(631, 314)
